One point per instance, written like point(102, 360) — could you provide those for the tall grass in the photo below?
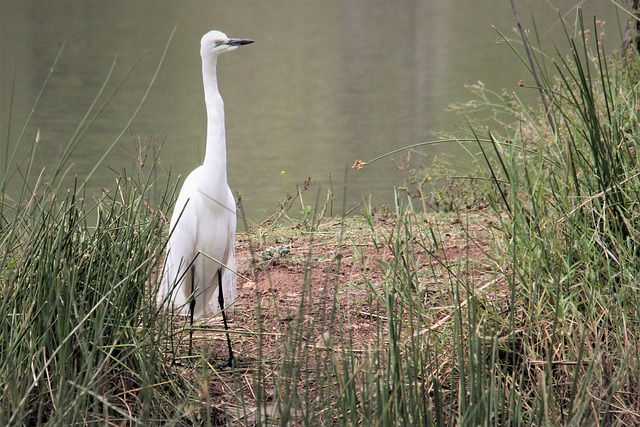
point(76, 310)
point(570, 228)
point(81, 340)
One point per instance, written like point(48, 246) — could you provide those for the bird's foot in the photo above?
point(231, 362)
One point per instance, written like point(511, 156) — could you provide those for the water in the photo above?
point(325, 83)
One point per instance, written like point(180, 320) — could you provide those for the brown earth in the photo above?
point(290, 277)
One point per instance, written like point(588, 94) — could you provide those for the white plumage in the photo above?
point(203, 224)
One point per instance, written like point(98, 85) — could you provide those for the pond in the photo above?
point(326, 83)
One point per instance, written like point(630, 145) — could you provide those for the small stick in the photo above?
point(534, 72)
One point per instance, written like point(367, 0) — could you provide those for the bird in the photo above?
point(200, 252)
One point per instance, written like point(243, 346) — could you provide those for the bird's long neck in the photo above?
point(215, 158)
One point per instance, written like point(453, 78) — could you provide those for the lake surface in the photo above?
point(326, 83)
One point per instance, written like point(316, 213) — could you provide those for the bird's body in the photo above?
point(202, 230)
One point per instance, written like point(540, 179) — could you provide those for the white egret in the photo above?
point(200, 251)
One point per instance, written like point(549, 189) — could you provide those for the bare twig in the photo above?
point(534, 72)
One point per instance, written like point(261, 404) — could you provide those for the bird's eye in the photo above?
point(218, 42)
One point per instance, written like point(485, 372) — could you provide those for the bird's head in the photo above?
point(216, 42)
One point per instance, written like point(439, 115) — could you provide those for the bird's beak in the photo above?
point(238, 42)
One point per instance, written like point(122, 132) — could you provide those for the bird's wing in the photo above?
point(180, 253)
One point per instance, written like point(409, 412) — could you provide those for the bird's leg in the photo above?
point(192, 308)
point(230, 362)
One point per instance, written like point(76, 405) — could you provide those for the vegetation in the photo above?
point(522, 313)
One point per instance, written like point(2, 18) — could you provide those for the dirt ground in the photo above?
point(284, 271)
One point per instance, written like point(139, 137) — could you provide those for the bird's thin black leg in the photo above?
point(192, 308)
point(224, 317)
